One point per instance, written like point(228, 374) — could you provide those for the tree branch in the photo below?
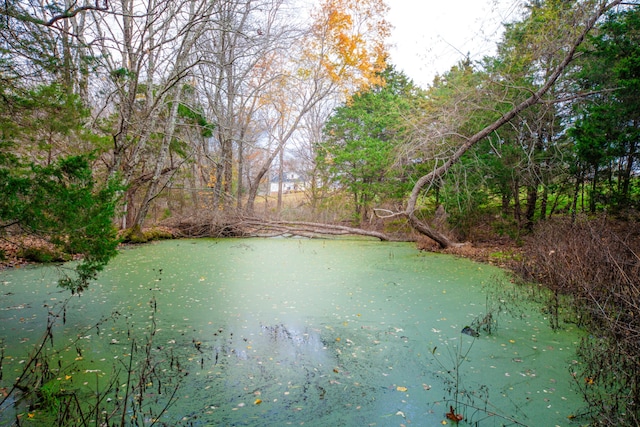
point(100, 5)
point(70, 13)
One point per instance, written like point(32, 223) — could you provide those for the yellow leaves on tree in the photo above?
point(349, 39)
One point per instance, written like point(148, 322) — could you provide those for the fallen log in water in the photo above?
point(306, 229)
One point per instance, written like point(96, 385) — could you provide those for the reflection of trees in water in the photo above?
point(285, 344)
point(306, 372)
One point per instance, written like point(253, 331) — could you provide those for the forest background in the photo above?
point(126, 120)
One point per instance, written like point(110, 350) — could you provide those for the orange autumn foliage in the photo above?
point(349, 39)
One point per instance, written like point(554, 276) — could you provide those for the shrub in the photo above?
point(595, 263)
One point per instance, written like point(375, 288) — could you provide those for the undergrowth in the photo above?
point(593, 267)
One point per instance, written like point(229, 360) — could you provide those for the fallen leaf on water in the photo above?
point(451, 415)
point(257, 401)
point(401, 388)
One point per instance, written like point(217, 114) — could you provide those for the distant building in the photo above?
point(291, 181)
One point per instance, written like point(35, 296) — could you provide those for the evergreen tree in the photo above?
point(47, 192)
point(607, 128)
point(360, 138)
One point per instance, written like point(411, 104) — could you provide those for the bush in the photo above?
point(62, 202)
point(595, 264)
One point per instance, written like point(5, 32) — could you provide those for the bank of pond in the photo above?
point(261, 332)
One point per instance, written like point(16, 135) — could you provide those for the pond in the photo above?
point(262, 332)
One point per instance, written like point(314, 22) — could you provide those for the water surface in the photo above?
point(305, 332)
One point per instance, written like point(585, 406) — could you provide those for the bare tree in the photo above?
point(194, 22)
point(287, 98)
point(241, 35)
point(147, 51)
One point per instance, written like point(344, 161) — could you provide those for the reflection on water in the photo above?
point(313, 332)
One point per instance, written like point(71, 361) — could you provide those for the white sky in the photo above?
point(430, 36)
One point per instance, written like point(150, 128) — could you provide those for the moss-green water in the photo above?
point(304, 332)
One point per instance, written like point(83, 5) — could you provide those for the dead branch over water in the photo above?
point(257, 227)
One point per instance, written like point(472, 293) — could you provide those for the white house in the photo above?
point(291, 181)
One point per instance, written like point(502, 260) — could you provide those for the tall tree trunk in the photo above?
point(532, 199)
point(67, 60)
point(217, 186)
point(254, 184)
point(506, 200)
point(576, 192)
point(543, 202)
point(280, 182)
point(626, 175)
point(127, 89)
point(594, 189)
point(240, 185)
point(517, 209)
point(163, 155)
point(227, 174)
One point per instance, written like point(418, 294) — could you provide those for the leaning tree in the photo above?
point(561, 25)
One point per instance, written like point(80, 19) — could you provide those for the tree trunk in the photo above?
point(227, 173)
point(154, 184)
point(254, 185)
point(517, 209)
point(626, 175)
point(576, 191)
point(280, 182)
point(302, 228)
point(506, 200)
point(532, 199)
point(433, 234)
point(594, 189)
point(543, 202)
point(240, 189)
